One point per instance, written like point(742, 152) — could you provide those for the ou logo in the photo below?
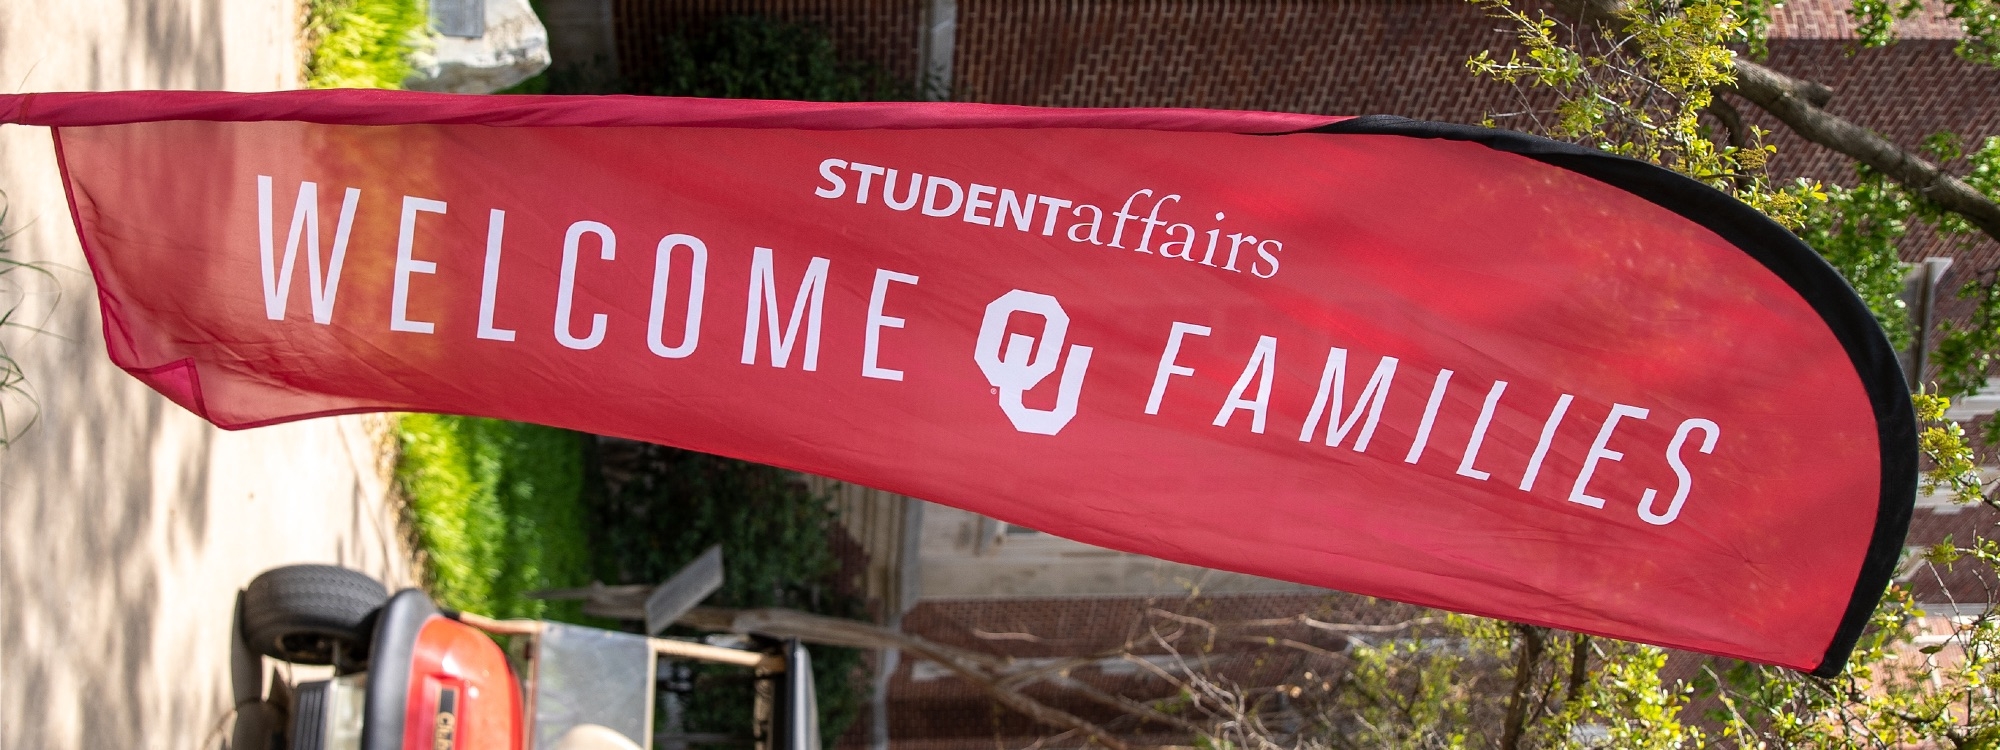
point(1017, 369)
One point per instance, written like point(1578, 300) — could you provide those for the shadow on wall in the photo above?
point(126, 525)
point(170, 43)
point(167, 44)
point(77, 543)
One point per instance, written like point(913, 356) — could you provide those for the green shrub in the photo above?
point(752, 57)
point(362, 44)
point(496, 508)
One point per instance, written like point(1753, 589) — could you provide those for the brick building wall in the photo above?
point(1333, 58)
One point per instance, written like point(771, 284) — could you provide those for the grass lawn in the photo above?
point(498, 510)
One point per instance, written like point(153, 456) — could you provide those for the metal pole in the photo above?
point(902, 595)
point(1928, 274)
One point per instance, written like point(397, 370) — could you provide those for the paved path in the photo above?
point(126, 524)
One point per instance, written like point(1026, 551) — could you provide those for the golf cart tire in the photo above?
point(312, 614)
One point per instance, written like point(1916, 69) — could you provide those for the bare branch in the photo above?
point(992, 636)
point(1338, 627)
point(1732, 123)
point(979, 669)
point(1022, 677)
point(1579, 665)
point(1126, 704)
point(1039, 743)
point(1278, 622)
point(1180, 618)
point(1286, 643)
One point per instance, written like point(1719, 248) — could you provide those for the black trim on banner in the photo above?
point(1793, 261)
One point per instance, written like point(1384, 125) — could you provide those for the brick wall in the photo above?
point(1828, 19)
point(1398, 57)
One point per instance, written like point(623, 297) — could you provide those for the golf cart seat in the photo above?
point(454, 680)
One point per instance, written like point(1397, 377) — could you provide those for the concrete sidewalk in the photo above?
point(127, 524)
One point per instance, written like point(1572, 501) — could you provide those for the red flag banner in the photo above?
point(1454, 366)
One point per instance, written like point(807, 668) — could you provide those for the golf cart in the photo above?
point(411, 675)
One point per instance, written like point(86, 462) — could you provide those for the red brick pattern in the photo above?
point(1401, 57)
point(1904, 92)
point(1829, 19)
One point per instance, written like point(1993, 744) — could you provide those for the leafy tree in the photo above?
point(753, 57)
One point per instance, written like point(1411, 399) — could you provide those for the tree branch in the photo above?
point(1127, 705)
point(1800, 105)
point(1732, 123)
point(1524, 672)
point(1792, 101)
point(1579, 665)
